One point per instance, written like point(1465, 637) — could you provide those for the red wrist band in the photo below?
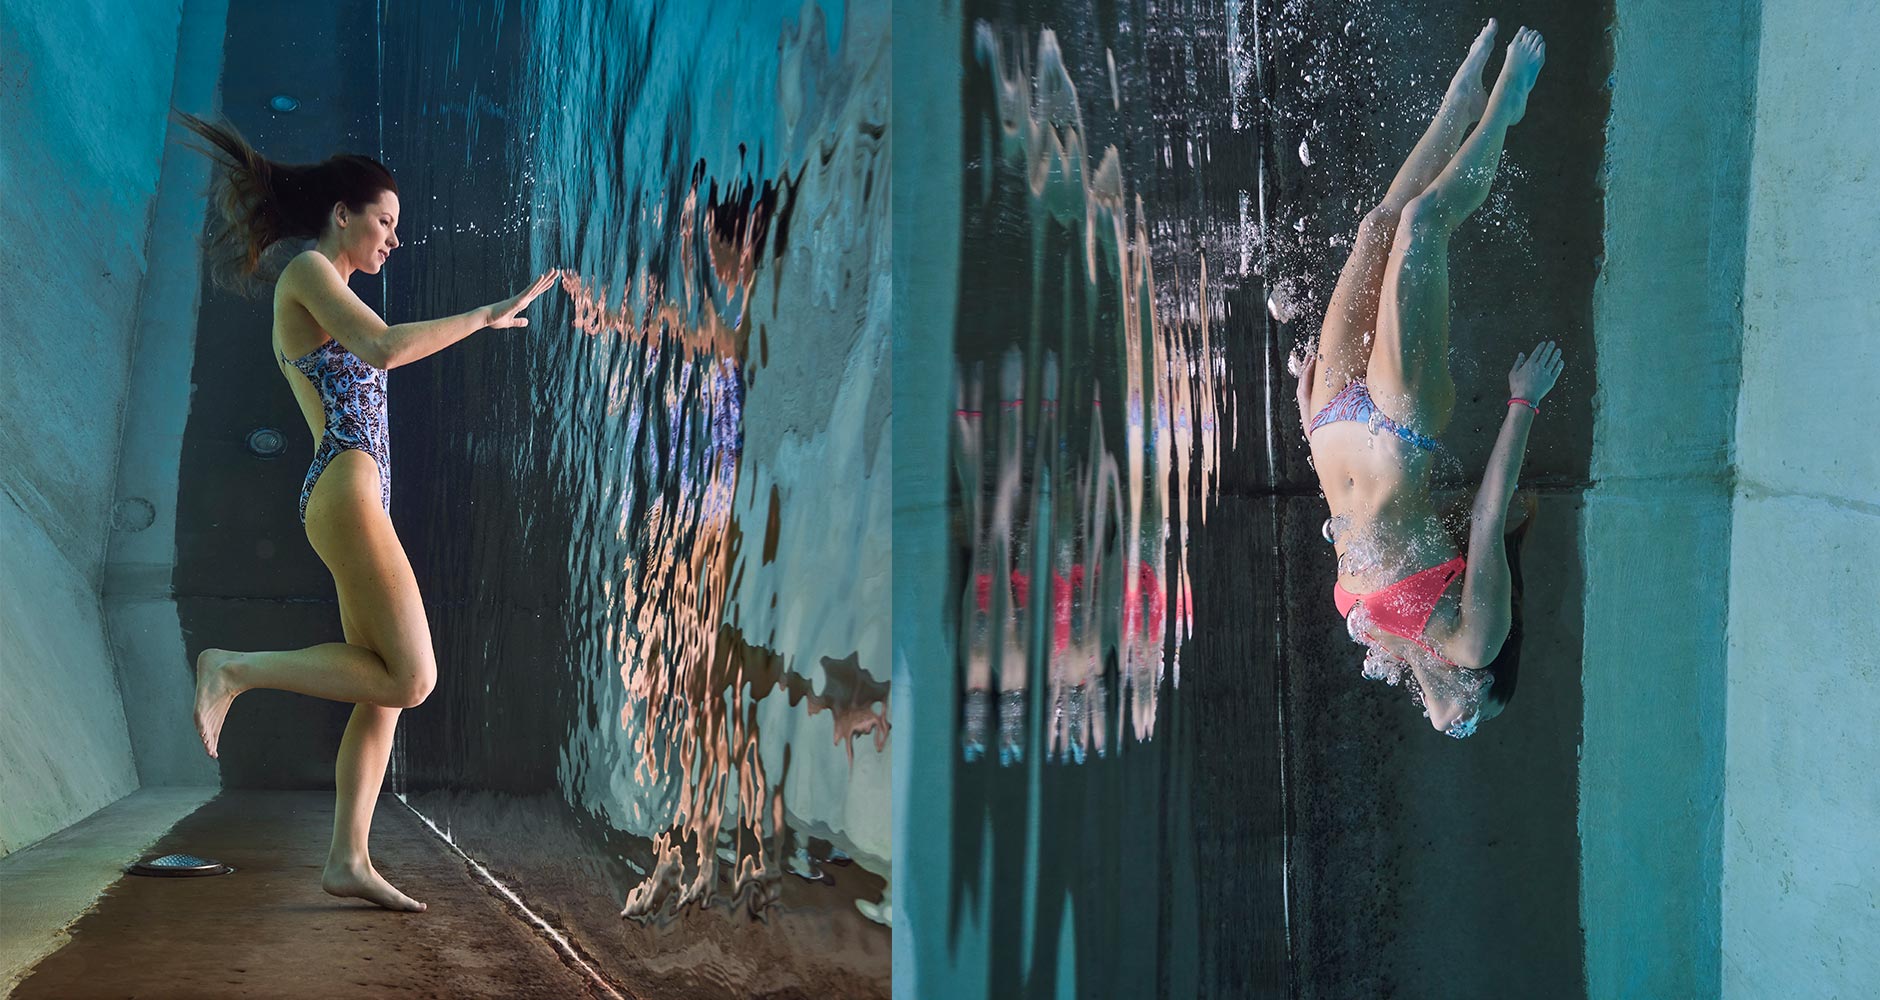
point(1527, 403)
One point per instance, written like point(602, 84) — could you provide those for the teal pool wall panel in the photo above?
point(83, 94)
point(155, 670)
point(1656, 528)
point(925, 185)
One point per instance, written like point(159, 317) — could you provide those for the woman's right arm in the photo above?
point(315, 284)
point(1486, 585)
point(1533, 377)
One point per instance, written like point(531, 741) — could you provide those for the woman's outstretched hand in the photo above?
point(1533, 376)
point(503, 315)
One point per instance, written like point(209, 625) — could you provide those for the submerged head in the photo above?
point(1454, 699)
point(362, 233)
point(347, 202)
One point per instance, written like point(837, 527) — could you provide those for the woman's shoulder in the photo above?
point(295, 332)
point(304, 265)
point(304, 277)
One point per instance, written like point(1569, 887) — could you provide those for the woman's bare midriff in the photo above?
point(1386, 527)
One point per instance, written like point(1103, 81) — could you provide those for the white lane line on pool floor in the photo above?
point(567, 947)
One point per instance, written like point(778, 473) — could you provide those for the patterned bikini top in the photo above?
point(1354, 403)
point(352, 394)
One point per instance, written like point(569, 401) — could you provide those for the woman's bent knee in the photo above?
point(416, 688)
point(1421, 219)
point(1379, 224)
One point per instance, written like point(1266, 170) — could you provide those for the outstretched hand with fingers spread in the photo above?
point(503, 315)
point(1533, 376)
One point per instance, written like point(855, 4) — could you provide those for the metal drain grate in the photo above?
point(174, 865)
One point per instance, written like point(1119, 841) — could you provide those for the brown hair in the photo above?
point(1506, 666)
point(262, 202)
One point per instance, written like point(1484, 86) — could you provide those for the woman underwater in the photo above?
point(1374, 406)
point(334, 351)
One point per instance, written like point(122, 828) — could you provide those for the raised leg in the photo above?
point(1463, 184)
point(1352, 312)
point(392, 665)
point(336, 671)
point(1409, 364)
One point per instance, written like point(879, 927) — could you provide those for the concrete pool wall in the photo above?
point(1655, 533)
point(83, 155)
point(1800, 883)
point(1726, 784)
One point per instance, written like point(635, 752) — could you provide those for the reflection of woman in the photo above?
point(1374, 407)
point(334, 352)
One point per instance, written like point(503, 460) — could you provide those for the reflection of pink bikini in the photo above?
point(1061, 591)
point(1403, 608)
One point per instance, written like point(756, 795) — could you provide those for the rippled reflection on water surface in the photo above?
point(1109, 345)
point(664, 715)
point(1076, 516)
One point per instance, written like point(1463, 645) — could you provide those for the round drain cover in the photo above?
point(179, 864)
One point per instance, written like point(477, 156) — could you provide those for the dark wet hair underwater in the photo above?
point(262, 202)
point(1506, 666)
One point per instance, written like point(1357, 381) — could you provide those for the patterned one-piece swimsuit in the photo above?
point(352, 393)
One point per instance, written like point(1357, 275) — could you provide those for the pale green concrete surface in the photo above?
point(87, 90)
point(63, 748)
point(1800, 883)
point(1810, 305)
point(47, 886)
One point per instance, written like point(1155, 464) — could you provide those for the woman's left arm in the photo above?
point(1305, 363)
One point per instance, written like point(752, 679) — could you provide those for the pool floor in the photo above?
point(269, 931)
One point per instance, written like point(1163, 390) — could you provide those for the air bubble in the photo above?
point(1281, 303)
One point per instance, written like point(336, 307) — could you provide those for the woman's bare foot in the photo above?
point(1525, 55)
point(362, 881)
point(1467, 96)
point(215, 691)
